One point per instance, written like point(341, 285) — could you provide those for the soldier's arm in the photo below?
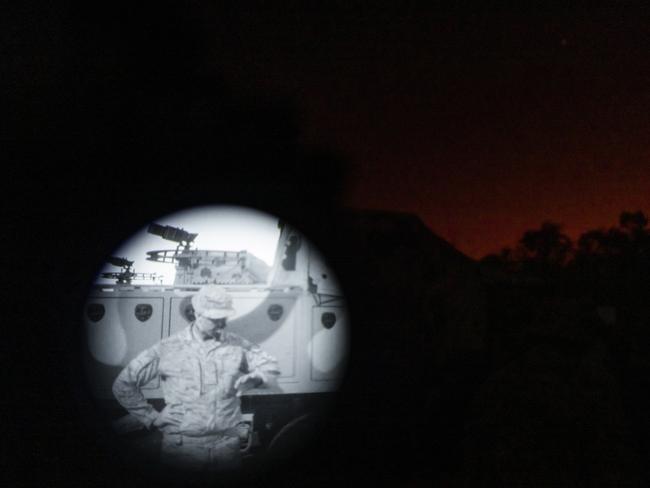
point(261, 365)
point(127, 386)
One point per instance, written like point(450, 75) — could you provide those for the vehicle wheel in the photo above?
point(294, 437)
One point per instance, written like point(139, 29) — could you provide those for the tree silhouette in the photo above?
point(601, 243)
point(613, 264)
point(547, 307)
point(550, 246)
point(593, 243)
point(629, 239)
point(633, 221)
point(546, 247)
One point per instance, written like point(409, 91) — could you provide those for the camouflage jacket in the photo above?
point(197, 379)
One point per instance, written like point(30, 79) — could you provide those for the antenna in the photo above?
point(120, 262)
point(127, 274)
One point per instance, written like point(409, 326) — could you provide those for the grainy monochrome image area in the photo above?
point(220, 351)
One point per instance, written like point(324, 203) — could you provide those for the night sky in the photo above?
point(483, 122)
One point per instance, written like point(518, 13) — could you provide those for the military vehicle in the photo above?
point(294, 309)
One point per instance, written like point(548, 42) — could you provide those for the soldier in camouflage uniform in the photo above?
point(203, 370)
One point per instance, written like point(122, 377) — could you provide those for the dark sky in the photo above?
point(483, 122)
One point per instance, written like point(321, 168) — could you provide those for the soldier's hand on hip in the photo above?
point(165, 425)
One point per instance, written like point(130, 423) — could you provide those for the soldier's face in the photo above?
point(209, 327)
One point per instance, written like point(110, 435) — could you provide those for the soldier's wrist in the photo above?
point(150, 422)
point(258, 379)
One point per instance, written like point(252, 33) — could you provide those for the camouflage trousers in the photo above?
point(217, 452)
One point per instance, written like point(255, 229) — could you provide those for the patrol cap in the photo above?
point(213, 302)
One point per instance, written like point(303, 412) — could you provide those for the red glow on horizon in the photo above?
point(491, 214)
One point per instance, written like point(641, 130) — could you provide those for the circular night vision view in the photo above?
point(215, 337)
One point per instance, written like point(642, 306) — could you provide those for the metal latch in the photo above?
point(245, 431)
